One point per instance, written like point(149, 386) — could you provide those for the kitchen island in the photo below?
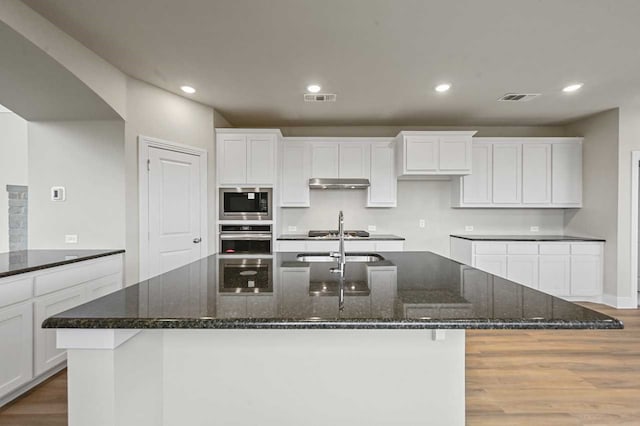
point(248, 341)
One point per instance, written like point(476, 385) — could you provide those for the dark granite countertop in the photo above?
point(19, 262)
point(566, 238)
point(372, 237)
point(407, 290)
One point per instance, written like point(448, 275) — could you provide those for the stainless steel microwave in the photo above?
point(246, 204)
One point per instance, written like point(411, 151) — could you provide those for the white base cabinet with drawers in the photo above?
point(28, 353)
point(307, 246)
point(572, 270)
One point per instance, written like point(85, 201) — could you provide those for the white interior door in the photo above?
point(174, 210)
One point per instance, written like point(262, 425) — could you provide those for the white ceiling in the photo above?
point(252, 59)
point(37, 88)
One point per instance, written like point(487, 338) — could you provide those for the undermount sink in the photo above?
point(350, 257)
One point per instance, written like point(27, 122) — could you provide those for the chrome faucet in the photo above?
point(340, 255)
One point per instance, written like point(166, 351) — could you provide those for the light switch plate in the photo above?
point(534, 229)
point(468, 228)
point(371, 228)
point(292, 228)
point(422, 223)
point(71, 239)
point(58, 193)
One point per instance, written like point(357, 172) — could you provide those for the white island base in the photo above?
point(290, 377)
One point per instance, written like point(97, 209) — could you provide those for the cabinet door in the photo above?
point(383, 283)
point(476, 187)
point(294, 178)
point(586, 275)
point(454, 153)
point(507, 173)
point(383, 189)
point(294, 293)
point(325, 159)
point(46, 353)
point(492, 263)
point(507, 299)
point(421, 154)
point(477, 288)
point(554, 274)
point(567, 174)
point(16, 349)
point(104, 286)
point(536, 173)
point(232, 159)
point(354, 161)
point(523, 269)
point(261, 159)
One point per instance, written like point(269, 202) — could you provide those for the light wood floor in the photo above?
point(513, 378)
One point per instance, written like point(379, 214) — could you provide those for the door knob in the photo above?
point(197, 240)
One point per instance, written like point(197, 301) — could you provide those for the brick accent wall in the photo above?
point(18, 216)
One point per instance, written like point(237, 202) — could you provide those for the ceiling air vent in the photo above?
point(518, 97)
point(320, 97)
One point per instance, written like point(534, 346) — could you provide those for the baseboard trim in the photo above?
point(31, 384)
point(619, 302)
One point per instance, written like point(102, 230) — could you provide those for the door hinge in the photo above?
point(148, 165)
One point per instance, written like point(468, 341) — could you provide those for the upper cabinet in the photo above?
point(246, 156)
point(425, 153)
point(332, 159)
point(295, 168)
point(522, 173)
point(383, 189)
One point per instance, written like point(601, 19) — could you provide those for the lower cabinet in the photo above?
point(555, 274)
point(27, 351)
point(573, 270)
point(310, 246)
point(46, 353)
point(16, 350)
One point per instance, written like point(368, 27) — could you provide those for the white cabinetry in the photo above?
point(433, 153)
point(573, 270)
point(383, 189)
point(16, 346)
point(295, 174)
point(522, 173)
point(28, 352)
point(311, 246)
point(246, 157)
point(334, 159)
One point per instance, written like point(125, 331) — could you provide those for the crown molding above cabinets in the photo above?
point(522, 173)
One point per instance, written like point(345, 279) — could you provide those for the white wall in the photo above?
point(87, 158)
point(13, 164)
point(629, 140)
point(600, 188)
point(157, 113)
point(429, 200)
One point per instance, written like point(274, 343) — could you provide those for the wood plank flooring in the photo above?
point(513, 378)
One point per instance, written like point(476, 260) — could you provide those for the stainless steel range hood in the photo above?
point(334, 183)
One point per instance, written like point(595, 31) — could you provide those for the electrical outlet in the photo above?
point(468, 228)
point(371, 228)
point(71, 239)
point(422, 223)
point(292, 228)
point(534, 229)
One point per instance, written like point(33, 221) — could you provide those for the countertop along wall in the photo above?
point(429, 200)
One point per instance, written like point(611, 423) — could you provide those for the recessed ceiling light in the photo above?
point(314, 88)
point(572, 87)
point(188, 89)
point(443, 87)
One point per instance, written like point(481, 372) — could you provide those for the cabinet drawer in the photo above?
point(583, 248)
point(554, 248)
point(321, 246)
point(295, 246)
point(491, 248)
point(360, 246)
point(389, 245)
point(524, 248)
point(77, 273)
point(14, 290)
